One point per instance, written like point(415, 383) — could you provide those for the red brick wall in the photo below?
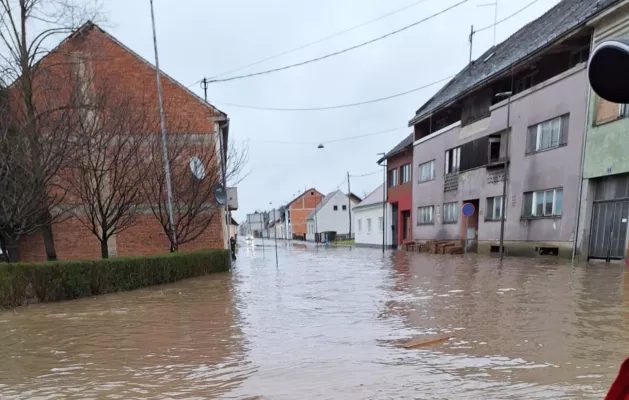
point(301, 208)
point(110, 64)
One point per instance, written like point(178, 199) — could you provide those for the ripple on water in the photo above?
point(331, 324)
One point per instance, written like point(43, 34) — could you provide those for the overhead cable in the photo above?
point(506, 18)
point(269, 71)
point(333, 140)
point(303, 46)
point(332, 107)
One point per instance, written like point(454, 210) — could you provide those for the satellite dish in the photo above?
point(197, 168)
point(219, 194)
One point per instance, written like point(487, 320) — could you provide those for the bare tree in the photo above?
point(195, 170)
point(39, 96)
point(104, 182)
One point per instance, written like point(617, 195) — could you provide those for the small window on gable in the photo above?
point(336, 208)
point(344, 208)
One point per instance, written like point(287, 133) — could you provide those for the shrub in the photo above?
point(25, 283)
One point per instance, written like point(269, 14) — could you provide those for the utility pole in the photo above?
point(162, 120)
point(505, 172)
point(471, 45)
point(349, 205)
point(204, 85)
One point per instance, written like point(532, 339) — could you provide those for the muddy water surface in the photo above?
point(329, 324)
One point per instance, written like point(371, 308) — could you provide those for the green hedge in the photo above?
point(24, 283)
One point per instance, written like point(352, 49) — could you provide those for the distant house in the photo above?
point(233, 228)
point(370, 221)
point(333, 215)
point(298, 211)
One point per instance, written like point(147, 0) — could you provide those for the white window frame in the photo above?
point(539, 135)
point(406, 173)
point(394, 178)
point(490, 215)
point(450, 209)
point(456, 157)
point(430, 165)
point(543, 193)
point(426, 215)
point(368, 225)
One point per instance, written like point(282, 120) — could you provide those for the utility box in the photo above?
point(232, 198)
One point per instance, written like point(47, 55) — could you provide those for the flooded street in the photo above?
point(329, 324)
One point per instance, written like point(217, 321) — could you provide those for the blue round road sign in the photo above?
point(468, 209)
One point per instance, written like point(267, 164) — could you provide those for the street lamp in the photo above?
point(384, 204)
point(505, 173)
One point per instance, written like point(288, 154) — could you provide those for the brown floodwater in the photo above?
point(330, 324)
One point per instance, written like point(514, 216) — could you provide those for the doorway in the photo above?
point(609, 230)
point(470, 230)
point(394, 225)
point(406, 226)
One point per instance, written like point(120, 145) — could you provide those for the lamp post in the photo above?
point(384, 203)
point(505, 173)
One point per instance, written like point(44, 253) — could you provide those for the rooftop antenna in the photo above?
point(471, 44)
point(495, 5)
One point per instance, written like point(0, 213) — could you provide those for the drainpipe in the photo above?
point(580, 194)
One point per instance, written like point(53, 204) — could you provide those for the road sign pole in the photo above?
point(466, 226)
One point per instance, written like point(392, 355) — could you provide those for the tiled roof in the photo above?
point(407, 142)
point(560, 20)
point(374, 198)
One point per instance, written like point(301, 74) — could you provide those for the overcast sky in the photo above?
point(200, 38)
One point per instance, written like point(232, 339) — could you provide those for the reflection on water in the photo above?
point(328, 323)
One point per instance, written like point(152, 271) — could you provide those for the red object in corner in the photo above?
point(620, 387)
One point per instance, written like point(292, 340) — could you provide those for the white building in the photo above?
point(369, 220)
point(332, 215)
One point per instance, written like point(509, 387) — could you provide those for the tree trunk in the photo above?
point(104, 249)
point(49, 243)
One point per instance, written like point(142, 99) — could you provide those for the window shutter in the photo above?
point(563, 137)
point(531, 139)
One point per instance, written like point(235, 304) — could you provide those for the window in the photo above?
point(494, 148)
point(360, 225)
point(453, 160)
point(368, 225)
point(525, 82)
point(406, 173)
point(424, 215)
point(623, 110)
point(547, 135)
point(344, 208)
point(450, 213)
point(494, 208)
point(427, 171)
point(381, 223)
point(544, 203)
point(393, 180)
point(336, 208)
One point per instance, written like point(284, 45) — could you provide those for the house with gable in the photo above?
point(333, 214)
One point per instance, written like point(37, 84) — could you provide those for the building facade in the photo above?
point(333, 215)
point(299, 210)
point(604, 210)
point(534, 98)
point(370, 220)
point(98, 60)
point(399, 164)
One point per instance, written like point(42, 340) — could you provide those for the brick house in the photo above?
point(399, 162)
point(299, 210)
point(107, 60)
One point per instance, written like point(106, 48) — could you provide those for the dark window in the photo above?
point(494, 208)
point(393, 178)
point(344, 208)
point(336, 208)
point(548, 134)
point(494, 148)
point(453, 160)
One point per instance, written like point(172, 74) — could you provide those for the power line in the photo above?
point(333, 140)
point(319, 40)
point(506, 18)
point(365, 175)
point(339, 105)
point(340, 51)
